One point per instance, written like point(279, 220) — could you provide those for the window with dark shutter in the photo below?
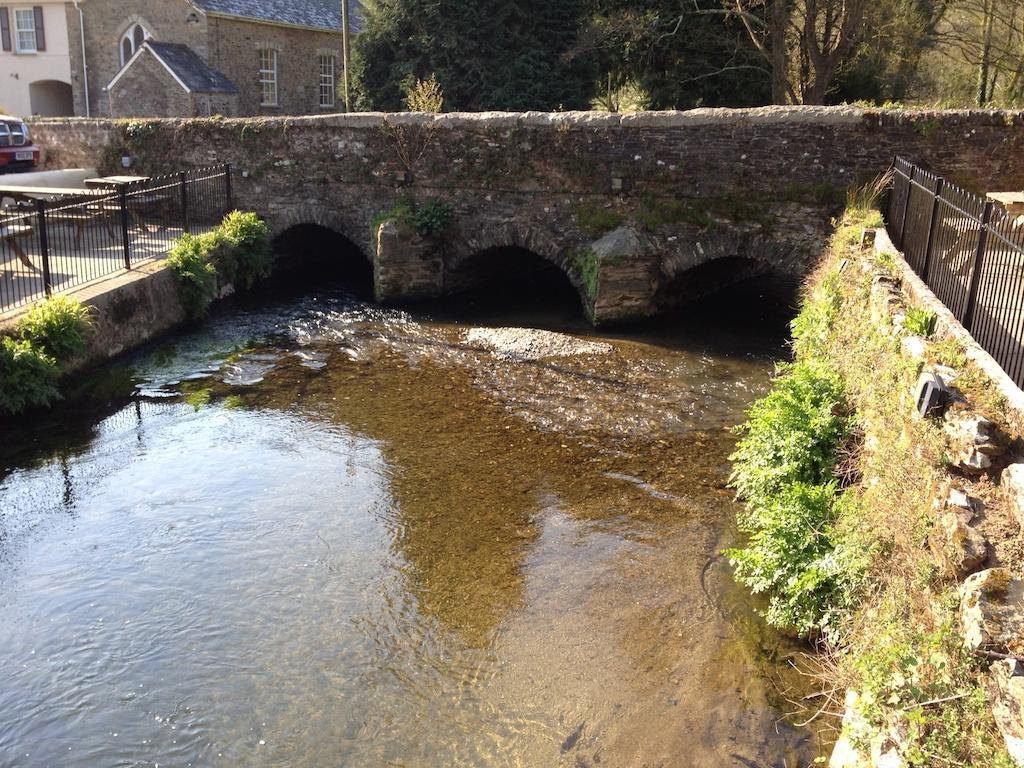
point(5, 28)
point(40, 35)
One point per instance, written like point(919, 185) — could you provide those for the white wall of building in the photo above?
point(49, 70)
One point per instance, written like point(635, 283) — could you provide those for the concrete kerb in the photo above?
point(947, 326)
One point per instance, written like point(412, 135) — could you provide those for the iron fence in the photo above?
point(969, 251)
point(51, 246)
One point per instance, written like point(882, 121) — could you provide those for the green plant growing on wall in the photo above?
point(430, 218)
point(238, 251)
point(596, 220)
point(585, 262)
point(28, 376)
point(56, 326)
point(920, 322)
point(248, 237)
point(189, 260)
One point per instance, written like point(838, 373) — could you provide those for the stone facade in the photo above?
point(234, 50)
point(227, 44)
point(697, 188)
point(149, 89)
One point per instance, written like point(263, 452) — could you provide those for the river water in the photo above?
point(316, 532)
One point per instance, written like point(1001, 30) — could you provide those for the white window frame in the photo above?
point(268, 76)
point(129, 35)
point(18, 31)
point(328, 80)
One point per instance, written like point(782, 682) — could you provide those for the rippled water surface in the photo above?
point(321, 533)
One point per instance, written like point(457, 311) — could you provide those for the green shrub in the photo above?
point(920, 322)
point(783, 469)
point(248, 238)
point(56, 326)
point(791, 434)
point(237, 252)
point(430, 218)
point(197, 277)
point(28, 376)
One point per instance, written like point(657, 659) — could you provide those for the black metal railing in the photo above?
point(969, 251)
point(52, 246)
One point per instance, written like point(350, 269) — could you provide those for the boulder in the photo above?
point(620, 244)
point(1012, 481)
point(1006, 696)
point(959, 549)
point(883, 748)
point(992, 611)
point(974, 442)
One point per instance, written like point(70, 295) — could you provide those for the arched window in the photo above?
point(133, 37)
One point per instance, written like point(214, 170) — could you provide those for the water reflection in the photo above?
point(324, 533)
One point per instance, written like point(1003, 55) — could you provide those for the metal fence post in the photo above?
point(44, 246)
point(227, 186)
point(906, 209)
point(183, 183)
point(122, 201)
point(933, 225)
point(977, 267)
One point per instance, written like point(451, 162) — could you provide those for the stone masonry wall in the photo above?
point(233, 49)
point(689, 187)
point(147, 88)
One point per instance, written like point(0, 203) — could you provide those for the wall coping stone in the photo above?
point(693, 118)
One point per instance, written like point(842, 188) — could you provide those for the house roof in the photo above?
point(319, 14)
point(184, 64)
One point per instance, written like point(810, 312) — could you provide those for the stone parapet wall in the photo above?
point(693, 185)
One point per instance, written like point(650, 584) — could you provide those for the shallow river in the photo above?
point(320, 533)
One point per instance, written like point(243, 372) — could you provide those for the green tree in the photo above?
point(512, 55)
point(678, 53)
point(887, 64)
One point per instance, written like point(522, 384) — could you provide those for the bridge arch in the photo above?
point(316, 250)
point(510, 252)
point(724, 260)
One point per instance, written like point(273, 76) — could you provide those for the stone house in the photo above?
point(181, 58)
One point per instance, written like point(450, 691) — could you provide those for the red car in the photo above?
point(17, 152)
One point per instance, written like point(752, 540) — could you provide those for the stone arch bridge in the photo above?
point(639, 211)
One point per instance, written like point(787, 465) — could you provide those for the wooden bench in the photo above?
point(9, 235)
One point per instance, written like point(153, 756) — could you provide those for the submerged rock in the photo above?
point(1006, 695)
point(531, 344)
point(992, 611)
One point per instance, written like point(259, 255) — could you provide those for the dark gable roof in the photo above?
point(195, 73)
point(321, 14)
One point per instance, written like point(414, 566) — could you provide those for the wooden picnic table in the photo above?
point(1013, 202)
point(107, 182)
point(20, 193)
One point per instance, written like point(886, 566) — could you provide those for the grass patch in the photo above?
point(890, 616)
